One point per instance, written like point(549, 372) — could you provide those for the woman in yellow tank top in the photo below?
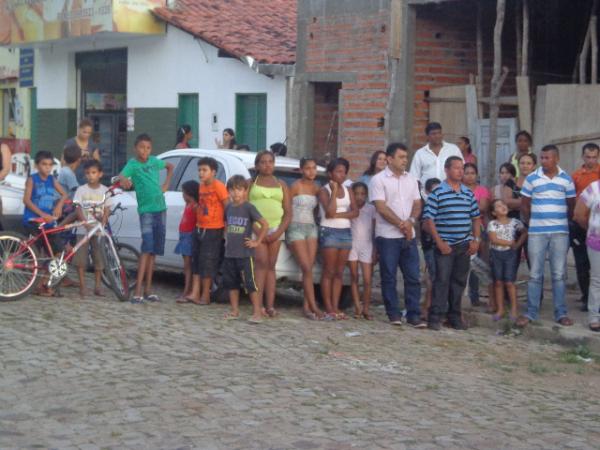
point(272, 199)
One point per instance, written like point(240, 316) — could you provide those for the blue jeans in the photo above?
point(394, 253)
point(556, 246)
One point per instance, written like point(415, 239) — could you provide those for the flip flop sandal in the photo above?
point(231, 316)
point(329, 317)
point(367, 316)
point(310, 316)
point(153, 298)
point(271, 313)
point(254, 320)
point(183, 301)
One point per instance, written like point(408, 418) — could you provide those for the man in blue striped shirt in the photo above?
point(452, 219)
point(548, 203)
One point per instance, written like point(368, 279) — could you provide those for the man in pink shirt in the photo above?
point(395, 193)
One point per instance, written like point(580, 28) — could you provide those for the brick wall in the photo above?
point(358, 44)
point(446, 54)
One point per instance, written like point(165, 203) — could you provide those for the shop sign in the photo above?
point(26, 59)
point(23, 21)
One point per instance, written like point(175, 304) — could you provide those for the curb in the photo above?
point(542, 330)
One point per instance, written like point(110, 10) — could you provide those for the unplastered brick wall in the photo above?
point(446, 54)
point(353, 44)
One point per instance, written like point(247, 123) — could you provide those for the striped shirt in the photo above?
point(452, 212)
point(548, 201)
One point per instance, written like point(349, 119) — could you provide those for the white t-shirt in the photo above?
point(86, 197)
point(426, 164)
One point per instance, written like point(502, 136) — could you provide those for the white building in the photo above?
point(128, 83)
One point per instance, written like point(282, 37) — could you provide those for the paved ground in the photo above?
point(100, 374)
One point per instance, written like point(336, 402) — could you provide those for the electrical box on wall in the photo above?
point(214, 122)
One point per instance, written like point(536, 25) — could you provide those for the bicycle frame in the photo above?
point(44, 233)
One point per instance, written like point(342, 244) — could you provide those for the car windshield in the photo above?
point(290, 175)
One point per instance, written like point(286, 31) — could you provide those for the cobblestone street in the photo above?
point(101, 374)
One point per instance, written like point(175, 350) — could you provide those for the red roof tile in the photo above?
point(264, 30)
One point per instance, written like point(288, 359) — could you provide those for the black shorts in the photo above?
point(208, 252)
point(239, 273)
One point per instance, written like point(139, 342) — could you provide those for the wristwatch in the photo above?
point(477, 239)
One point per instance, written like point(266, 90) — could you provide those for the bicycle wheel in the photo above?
point(114, 269)
point(18, 266)
point(129, 257)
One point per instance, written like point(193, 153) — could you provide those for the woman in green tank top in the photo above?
point(272, 199)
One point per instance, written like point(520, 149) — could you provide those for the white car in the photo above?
point(185, 163)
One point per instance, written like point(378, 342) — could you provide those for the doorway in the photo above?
point(102, 96)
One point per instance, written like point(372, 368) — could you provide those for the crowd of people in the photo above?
point(236, 229)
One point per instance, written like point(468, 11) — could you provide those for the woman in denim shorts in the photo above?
point(302, 234)
point(337, 207)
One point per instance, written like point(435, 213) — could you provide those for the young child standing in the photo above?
point(87, 196)
point(361, 253)
point(210, 226)
point(238, 266)
point(39, 198)
point(428, 247)
point(506, 235)
point(143, 173)
point(185, 246)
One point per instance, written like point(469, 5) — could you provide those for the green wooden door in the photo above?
point(188, 114)
point(33, 121)
point(251, 120)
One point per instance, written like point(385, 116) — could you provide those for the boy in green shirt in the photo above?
point(142, 172)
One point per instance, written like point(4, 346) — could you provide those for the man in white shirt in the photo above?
point(428, 162)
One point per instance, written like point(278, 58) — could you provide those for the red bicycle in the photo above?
point(21, 263)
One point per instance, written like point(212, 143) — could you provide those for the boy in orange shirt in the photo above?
point(210, 226)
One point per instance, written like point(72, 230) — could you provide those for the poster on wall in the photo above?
point(95, 101)
point(23, 21)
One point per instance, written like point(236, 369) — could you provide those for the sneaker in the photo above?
point(435, 326)
point(396, 321)
point(417, 323)
point(136, 300)
point(460, 326)
point(152, 298)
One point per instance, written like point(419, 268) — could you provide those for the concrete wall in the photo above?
point(159, 68)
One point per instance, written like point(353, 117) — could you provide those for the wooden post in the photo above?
point(479, 40)
point(519, 28)
point(583, 56)
point(594, 43)
point(499, 75)
point(525, 52)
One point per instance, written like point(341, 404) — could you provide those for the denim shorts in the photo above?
point(504, 265)
point(185, 246)
point(153, 226)
point(301, 232)
point(340, 238)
